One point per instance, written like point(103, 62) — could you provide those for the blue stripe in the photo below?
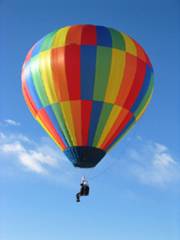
point(37, 47)
point(88, 68)
point(103, 36)
point(143, 89)
point(96, 111)
point(31, 87)
point(55, 123)
point(122, 132)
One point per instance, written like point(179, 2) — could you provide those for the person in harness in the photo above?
point(84, 191)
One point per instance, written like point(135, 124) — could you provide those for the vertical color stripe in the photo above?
point(103, 36)
point(122, 134)
point(95, 114)
point(76, 115)
point(105, 112)
point(103, 64)
point(128, 78)
point(144, 89)
point(31, 88)
point(144, 100)
point(126, 122)
point(129, 45)
point(48, 40)
point(86, 117)
point(88, 65)
point(59, 116)
point(67, 115)
point(123, 116)
point(88, 36)
point(115, 76)
point(74, 35)
point(117, 39)
point(60, 37)
point(52, 118)
point(46, 76)
point(36, 76)
point(137, 84)
point(109, 124)
point(29, 100)
point(44, 118)
point(72, 59)
point(58, 66)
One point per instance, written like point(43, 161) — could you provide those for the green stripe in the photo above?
point(146, 97)
point(106, 110)
point(47, 42)
point(59, 116)
point(37, 81)
point(103, 65)
point(117, 39)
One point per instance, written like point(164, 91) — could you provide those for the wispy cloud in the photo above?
point(10, 122)
point(37, 158)
point(153, 164)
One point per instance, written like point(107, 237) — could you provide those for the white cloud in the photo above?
point(152, 163)
point(11, 122)
point(37, 158)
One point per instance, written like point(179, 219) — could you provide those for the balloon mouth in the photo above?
point(84, 156)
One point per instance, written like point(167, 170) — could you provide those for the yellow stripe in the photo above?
point(67, 115)
point(144, 108)
point(46, 75)
point(110, 122)
point(60, 38)
point(43, 126)
point(130, 46)
point(116, 75)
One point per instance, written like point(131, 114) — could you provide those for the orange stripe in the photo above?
point(76, 114)
point(127, 81)
point(59, 73)
point(43, 116)
point(122, 115)
point(74, 35)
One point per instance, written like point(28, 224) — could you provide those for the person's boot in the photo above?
point(77, 199)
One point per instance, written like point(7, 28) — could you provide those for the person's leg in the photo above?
point(78, 197)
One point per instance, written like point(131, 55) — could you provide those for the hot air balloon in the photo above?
point(87, 86)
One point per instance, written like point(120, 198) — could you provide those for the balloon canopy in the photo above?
point(87, 86)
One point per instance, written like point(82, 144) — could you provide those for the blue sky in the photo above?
point(135, 190)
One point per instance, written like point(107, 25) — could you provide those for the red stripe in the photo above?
point(28, 99)
point(28, 56)
point(137, 84)
point(89, 35)
point(118, 131)
point(72, 63)
point(74, 35)
point(86, 109)
point(42, 114)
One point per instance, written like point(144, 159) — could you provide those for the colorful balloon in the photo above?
point(87, 86)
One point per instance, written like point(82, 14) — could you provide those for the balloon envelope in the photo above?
point(87, 85)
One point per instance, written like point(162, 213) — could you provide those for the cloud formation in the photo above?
point(33, 157)
point(153, 164)
point(11, 122)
